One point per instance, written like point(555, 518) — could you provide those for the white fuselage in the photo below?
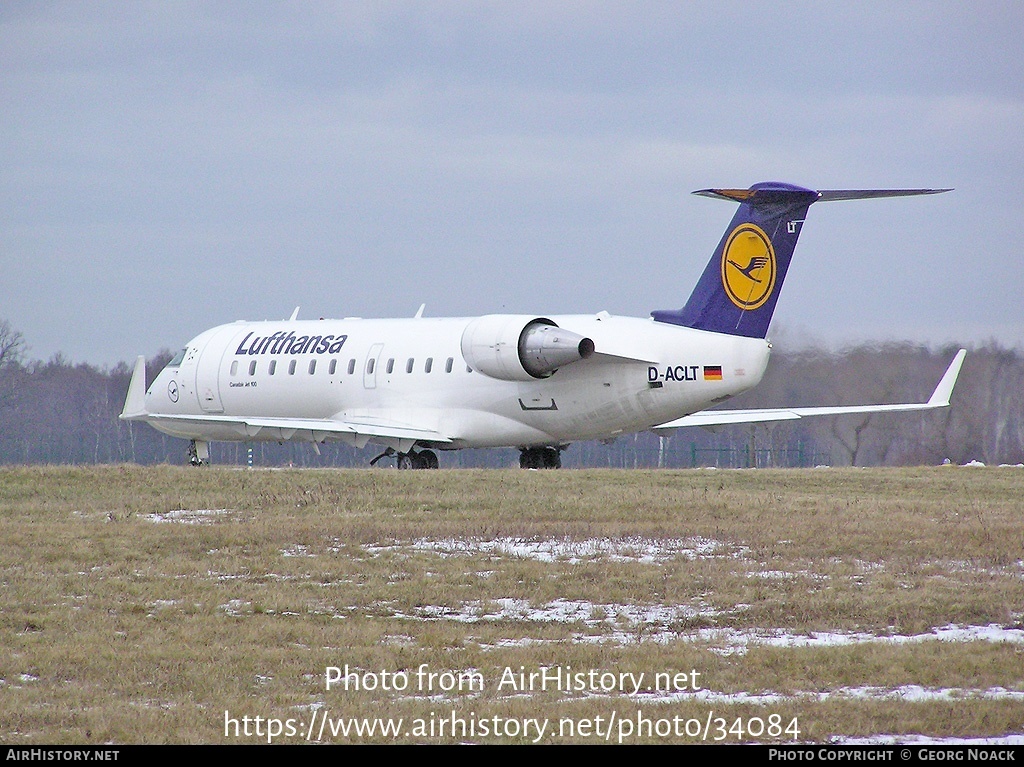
point(412, 371)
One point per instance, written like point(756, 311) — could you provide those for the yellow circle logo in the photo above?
point(748, 266)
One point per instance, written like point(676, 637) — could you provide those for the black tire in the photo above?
point(552, 458)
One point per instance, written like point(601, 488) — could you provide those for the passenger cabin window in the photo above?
point(428, 364)
point(448, 365)
point(369, 365)
point(234, 368)
point(252, 368)
point(273, 367)
point(408, 365)
point(391, 365)
point(291, 368)
point(333, 367)
point(351, 367)
point(312, 367)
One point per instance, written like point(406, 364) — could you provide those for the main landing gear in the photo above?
point(540, 458)
point(424, 459)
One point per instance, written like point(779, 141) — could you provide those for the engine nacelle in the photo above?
point(517, 347)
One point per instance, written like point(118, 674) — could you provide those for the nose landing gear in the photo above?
point(198, 453)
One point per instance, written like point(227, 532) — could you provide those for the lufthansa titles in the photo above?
point(280, 342)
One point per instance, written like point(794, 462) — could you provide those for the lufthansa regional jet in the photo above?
point(535, 382)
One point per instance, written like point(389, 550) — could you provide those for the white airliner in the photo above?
point(538, 383)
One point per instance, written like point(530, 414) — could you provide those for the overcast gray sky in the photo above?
point(169, 166)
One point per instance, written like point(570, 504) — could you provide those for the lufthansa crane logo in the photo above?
point(748, 266)
point(172, 391)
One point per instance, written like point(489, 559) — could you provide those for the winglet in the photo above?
point(940, 397)
point(135, 402)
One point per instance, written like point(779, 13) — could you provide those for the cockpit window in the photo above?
point(176, 360)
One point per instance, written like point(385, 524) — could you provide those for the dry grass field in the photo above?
point(151, 605)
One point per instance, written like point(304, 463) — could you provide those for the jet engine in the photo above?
point(516, 347)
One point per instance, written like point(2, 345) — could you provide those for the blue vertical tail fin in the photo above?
point(740, 286)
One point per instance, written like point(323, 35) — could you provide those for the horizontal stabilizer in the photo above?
point(828, 195)
point(940, 398)
point(824, 195)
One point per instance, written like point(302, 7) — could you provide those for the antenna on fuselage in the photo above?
point(419, 312)
point(295, 315)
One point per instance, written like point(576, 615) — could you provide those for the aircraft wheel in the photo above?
point(552, 458)
point(407, 461)
point(540, 458)
point(428, 459)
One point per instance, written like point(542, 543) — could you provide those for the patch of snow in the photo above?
point(186, 516)
point(636, 549)
point(236, 608)
point(557, 611)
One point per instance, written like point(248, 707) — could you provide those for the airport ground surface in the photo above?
point(164, 604)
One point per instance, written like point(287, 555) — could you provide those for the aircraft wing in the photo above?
point(939, 398)
point(317, 428)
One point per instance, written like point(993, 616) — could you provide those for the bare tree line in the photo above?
point(59, 412)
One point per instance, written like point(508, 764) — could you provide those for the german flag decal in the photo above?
point(712, 372)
